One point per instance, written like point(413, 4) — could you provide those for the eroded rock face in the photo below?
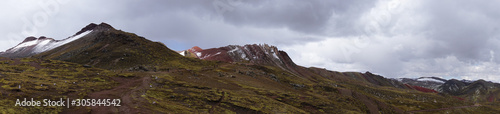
point(94, 27)
point(262, 54)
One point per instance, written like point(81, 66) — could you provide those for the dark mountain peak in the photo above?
point(93, 26)
point(109, 48)
point(45, 38)
point(105, 25)
point(31, 38)
point(368, 73)
point(453, 87)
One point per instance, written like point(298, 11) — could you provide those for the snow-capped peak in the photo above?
point(49, 45)
point(32, 45)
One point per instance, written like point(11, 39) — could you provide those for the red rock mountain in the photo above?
point(261, 54)
point(195, 49)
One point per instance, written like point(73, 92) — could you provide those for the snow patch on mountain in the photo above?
point(45, 46)
point(238, 51)
point(429, 79)
point(198, 54)
point(244, 56)
point(182, 53)
point(233, 50)
point(205, 56)
point(275, 55)
point(398, 79)
point(42, 45)
point(26, 44)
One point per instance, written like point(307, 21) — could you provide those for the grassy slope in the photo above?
point(225, 88)
point(47, 79)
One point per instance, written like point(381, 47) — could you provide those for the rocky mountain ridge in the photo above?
point(478, 90)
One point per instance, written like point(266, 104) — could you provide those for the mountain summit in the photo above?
point(256, 53)
point(106, 47)
point(96, 27)
point(261, 54)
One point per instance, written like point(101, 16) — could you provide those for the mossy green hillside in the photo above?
point(47, 79)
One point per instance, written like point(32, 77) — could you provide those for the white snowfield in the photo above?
point(198, 54)
point(237, 50)
point(275, 54)
point(45, 45)
point(182, 53)
point(429, 79)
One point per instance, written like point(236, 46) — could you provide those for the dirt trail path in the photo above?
point(415, 111)
point(218, 102)
point(127, 87)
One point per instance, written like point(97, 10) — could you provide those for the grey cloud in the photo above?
point(310, 16)
point(425, 38)
point(461, 28)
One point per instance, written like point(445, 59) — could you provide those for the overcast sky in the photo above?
point(394, 38)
